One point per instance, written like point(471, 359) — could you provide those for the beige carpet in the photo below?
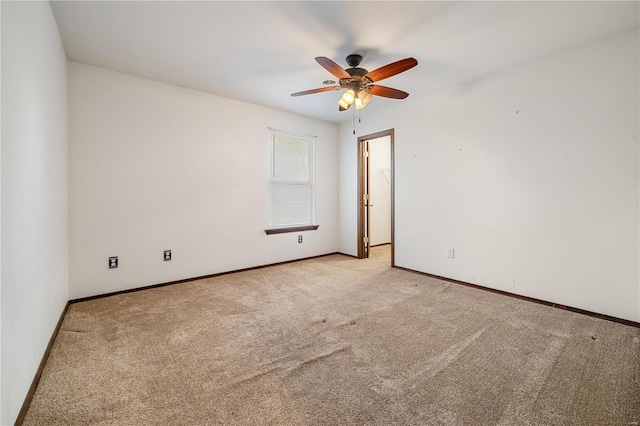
point(335, 341)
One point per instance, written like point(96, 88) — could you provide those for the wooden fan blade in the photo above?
point(387, 92)
point(332, 67)
point(320, 90)
point(392, 69)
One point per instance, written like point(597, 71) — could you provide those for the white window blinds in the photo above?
point(291, 180)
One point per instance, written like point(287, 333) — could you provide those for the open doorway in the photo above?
point(376, 192)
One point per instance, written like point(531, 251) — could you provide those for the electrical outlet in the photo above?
point(167, 255)
point(451, 252)
point(113, 262)
point(299, 239)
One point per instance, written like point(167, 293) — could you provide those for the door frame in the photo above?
point(363, 179)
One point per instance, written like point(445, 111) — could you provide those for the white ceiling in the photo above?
point(261, 52)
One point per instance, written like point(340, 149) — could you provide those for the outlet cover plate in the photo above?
point(113, 262)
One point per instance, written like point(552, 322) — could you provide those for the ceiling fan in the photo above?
point(359, 82)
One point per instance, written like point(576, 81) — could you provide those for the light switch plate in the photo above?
point(451, 252)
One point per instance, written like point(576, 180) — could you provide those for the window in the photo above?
point(291, 183)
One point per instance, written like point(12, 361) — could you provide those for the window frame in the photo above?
point(309, 182)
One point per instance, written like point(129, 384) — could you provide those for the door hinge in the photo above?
point(366, 240)
point(365, 197)
point(365, 152)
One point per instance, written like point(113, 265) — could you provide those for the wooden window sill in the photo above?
point(291, 229)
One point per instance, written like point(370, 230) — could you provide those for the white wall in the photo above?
point(380, 190)
point(530, 174)
point(156, 167)
point(34, 194)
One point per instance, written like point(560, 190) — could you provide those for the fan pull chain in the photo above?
point(354, 121)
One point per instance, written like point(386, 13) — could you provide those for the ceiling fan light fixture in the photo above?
point(360, 104)
point(349, 96)
point(343, 104)
point(364, 96)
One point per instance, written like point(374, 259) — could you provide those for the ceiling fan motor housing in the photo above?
point(357, 72)
point(356, 82)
